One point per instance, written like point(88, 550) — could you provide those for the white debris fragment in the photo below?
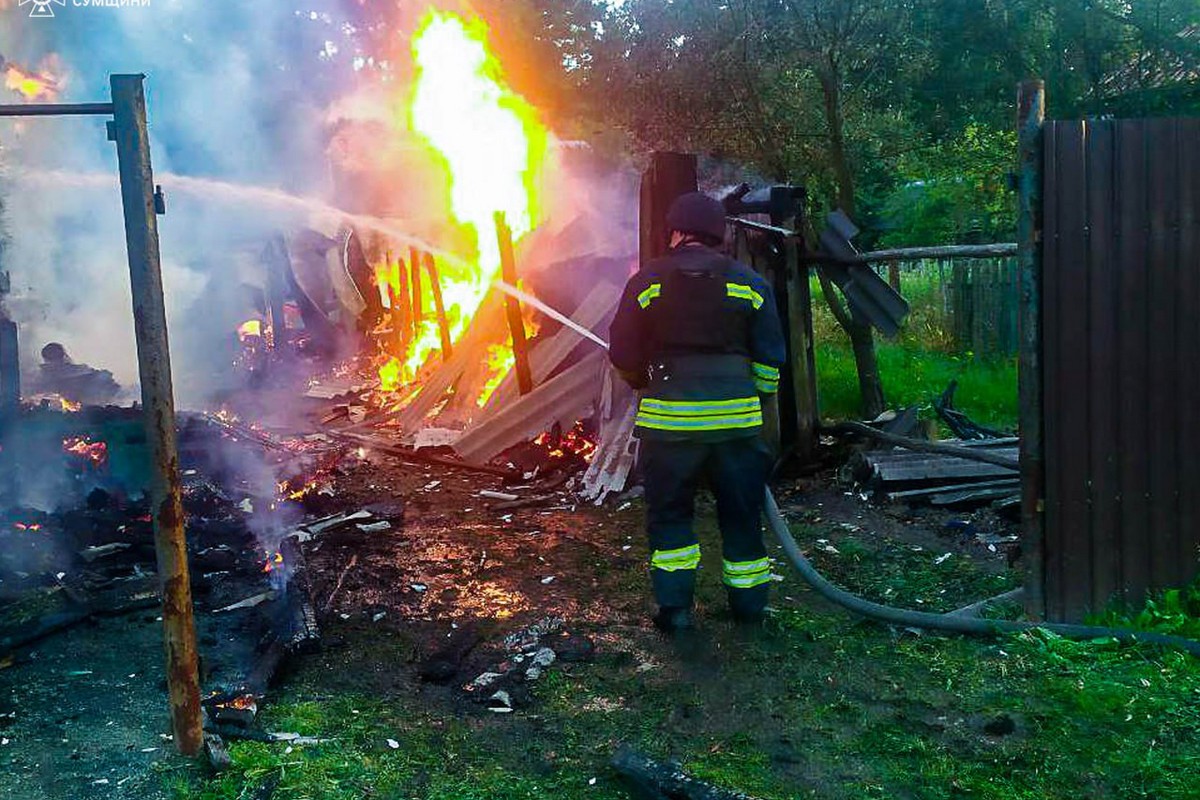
point(490, 495)
point(500, 703)
point(249, 602)
point(627, 547)
point(392, 743)
point(549, 579)
point(378, 616)
point(418, 587)
point(247, 505)
point(375, 527)
point(429, 487)
point(592, 782)
point(100, 782)
point(942, 558)
point(3, 741)
point(483, 681)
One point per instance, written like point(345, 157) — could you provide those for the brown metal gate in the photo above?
point(1121, 361)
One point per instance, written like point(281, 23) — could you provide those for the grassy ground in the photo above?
point(917, 365)
point(819, 705)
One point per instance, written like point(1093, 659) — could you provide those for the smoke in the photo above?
point(236, 92)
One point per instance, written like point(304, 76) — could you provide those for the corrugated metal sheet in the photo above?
point(1121, 349)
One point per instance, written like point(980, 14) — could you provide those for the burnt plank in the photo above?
point(1051, 394)
point(1133, 341)
point(1074, 356)
point(1102, 377)
point(1188, 346)
point(1161, 212)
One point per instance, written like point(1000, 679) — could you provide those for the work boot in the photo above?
point(673, 619)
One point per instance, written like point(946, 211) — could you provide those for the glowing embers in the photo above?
point(95, 453)
point(574, 443)
point(274, 562)
point(28, 527)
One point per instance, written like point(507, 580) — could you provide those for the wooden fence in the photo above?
point(1120, 350)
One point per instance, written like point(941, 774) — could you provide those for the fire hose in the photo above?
point(948, 622)
point(889, 614)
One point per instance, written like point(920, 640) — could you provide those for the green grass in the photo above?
point(820, 705)
point(916, 366)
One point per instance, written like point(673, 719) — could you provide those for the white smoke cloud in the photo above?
point(236, 92)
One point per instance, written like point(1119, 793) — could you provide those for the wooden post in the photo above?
point(512, 307)
point(803, 360)
point(439, 306)
point(158, 406)
point(277, 263)
point(10, 371)
point(1031, 113)
point(401, 308)
point(414, 271)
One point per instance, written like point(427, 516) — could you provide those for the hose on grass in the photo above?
point(945, 622)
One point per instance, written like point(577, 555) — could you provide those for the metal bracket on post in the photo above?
point(138, 198)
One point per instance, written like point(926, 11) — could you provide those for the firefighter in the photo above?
point(698, 334)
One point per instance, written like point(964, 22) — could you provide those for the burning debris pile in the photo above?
point(93, 554)
point(435, 352)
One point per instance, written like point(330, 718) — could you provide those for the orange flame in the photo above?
point(83, 446)
point(273, 562)
point(500, 361)
point(30, 85)
point(460, 98)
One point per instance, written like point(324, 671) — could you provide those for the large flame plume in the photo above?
point(493, 149)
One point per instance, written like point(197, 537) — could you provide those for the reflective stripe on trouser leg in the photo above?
point(738, 470)
point(671, 473)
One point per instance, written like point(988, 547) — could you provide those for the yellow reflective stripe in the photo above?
point(674, 560)
point(747, 581)
point(649, 293)
point(765, 386)
point(699, 408)
point(665, 424)
point(743, 292)
point(746, 567)
point(765, 371)
point(747, 574)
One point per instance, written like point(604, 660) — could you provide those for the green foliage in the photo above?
point(1173, 611)
point(917, 366)
point(954, 192)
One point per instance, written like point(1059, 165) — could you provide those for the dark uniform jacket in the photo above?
point(701, 333)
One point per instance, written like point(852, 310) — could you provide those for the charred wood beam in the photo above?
point(512, 307)
point(439, 306)
point(652, 780)
point(414, 273)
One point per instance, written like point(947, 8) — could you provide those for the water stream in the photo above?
point(243, 194)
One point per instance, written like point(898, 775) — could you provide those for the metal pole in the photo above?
point(1031, 114)
point(512, 306)
point(158, 405)
point(56, 110)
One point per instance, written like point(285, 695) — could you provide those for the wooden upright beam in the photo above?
point(439, 305)
point(130, 133)
point(512, 307)
point(1031, 114)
